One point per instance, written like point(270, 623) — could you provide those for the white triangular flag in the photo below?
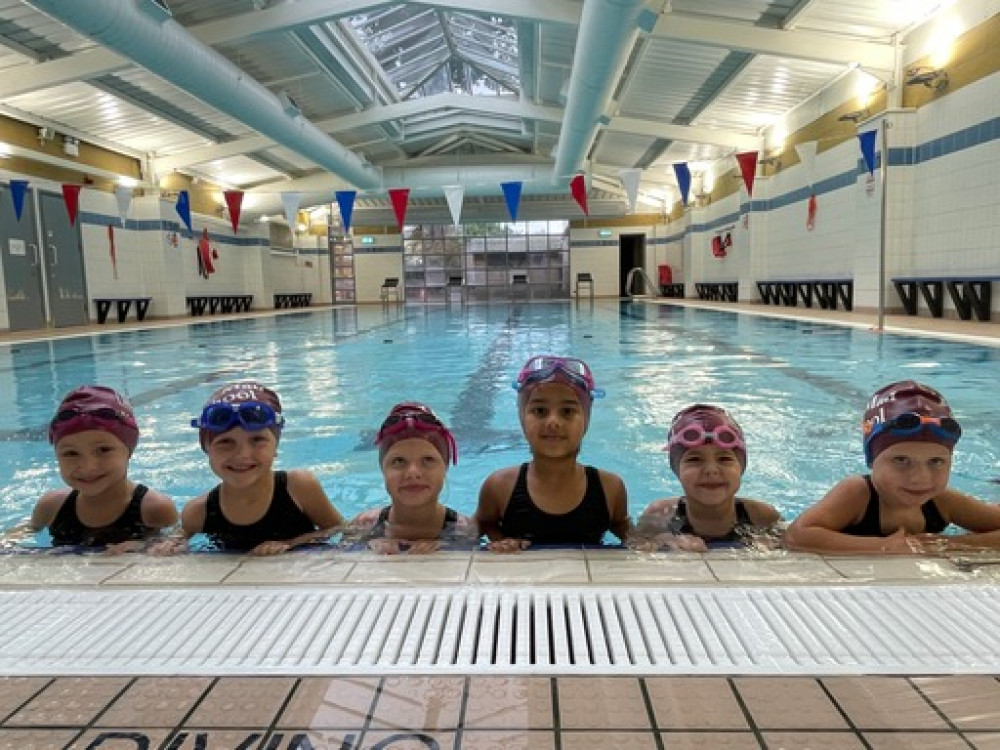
point(124, 197)
point(454, 195)
point(291, 201)
point(630, 181)
point(807, 157)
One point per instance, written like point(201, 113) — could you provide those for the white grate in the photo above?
point(593, 630)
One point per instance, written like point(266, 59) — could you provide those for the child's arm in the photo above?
point(158, 511)
point(819, 528)
point(652, 532)
point(309, 495)
point(494, 494)
point(980, 519)
point(45, 510)
point(617, 497)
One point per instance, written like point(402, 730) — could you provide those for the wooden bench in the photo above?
point(970, 294)
point(122, 306)
point(827, 293)
point(213, 303)
point(672, 290)
point(292, 299)
point(718, 291)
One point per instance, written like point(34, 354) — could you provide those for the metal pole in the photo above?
point(883, 174)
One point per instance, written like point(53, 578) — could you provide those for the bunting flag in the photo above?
point(71, 196)
point(205, 265)
point(748, 168)
point(291, 201)
point(578, 187)
point(111, 250)
point(630, 181)
point(234, 202)
point(123, 196)
point(18, 189)
point(400, 199)
point(683, 174)
point(867, 141)
point(807, 158)
point(512, 194)
point(183, 208)
point(454, 194)
point(345, 200)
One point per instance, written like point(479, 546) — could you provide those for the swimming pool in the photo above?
point(797, 388)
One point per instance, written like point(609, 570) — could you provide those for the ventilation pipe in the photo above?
point(164, 47)
point(602, 45)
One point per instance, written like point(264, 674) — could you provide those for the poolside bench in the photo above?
point(827, 293)
point(292, 299)
point(390, 286)
point(213, 303)
point(970, 294)
point(122, 306)
point(718, 291)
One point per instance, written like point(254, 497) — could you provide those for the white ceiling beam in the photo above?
point(802, 45)
point(684, 133)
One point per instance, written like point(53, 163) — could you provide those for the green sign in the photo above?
point(604, 232)
point(367, 240)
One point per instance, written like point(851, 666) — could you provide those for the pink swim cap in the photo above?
point(707, 425)
point(240, 393)
point(411, 419)
point(95, 407)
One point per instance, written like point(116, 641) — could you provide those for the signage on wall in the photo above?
point(367, 240)
point(604, 232)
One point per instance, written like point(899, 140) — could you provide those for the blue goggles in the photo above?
point(908, 424)
point(250, 415)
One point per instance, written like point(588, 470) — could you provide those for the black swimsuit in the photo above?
point(284, 520)
point(681, 524)
point(585, 524)
point(871, 523)
point(378, 530)
point(66, 528)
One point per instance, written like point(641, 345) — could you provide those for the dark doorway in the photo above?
point(631, 254)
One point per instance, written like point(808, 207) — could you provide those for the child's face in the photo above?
point(414, 472)
point(710, 475)
point(909, 474)
point(553, 420)
point(240, 456)
point(92, 461)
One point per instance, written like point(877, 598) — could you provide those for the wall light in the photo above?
point(932, 78)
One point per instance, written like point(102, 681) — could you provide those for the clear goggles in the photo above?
point(250, 415)
point(910, 423)
point(542, 367)
point(416, 419)
point(100, 413)
point(694, 436)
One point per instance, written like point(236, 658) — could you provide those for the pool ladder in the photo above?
point(648, 282)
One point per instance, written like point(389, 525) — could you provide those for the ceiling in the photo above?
point(321, 95)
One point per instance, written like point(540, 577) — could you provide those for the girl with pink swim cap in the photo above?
point(709, 455)
point(414, 451)
point(904, 504)
point(94, 433)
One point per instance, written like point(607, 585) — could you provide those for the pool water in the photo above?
point(797, 388)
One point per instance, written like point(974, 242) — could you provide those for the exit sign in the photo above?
point(367, 240)
point(604, 233)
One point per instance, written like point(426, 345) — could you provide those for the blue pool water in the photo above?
point(798, 389)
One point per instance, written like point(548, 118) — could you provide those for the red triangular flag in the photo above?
point(399, 197)
point(71, 196)
point(578, 187)
point(748, 166)
point(234, 200)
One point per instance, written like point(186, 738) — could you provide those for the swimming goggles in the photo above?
point(542, 367)
point(100, 413)
point(909, 423)
point(415, 417)
point(250, 415)
point(695, 435)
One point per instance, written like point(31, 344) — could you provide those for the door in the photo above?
point(22, 270)
point(631, 254)
point(63, 254)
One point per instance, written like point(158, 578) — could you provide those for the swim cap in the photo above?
point(901, 398)
point(703, 424)
point(546, 368)
point(95, 407)
point(241, 393)
point(411, 419)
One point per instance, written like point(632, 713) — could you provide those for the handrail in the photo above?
point(645, 277)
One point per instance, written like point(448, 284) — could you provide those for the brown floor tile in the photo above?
point(679, 703)
point(710, 740)
point(119, 739)
point(210, 739)
point(405, 740)
point(419, 703)
point(509, 702)
point(605, 740)
point(330, 703)
point(788, 703)
point(984, 740)
point(515, 740)
point(69, 701)
point(812, 741)
point(250, 702)
point(970, 702)
point(14, 691)
point(318, 739)
point(155, 702)
point(916, 741)
point(36, 739)
point(883, 703)
point(601, 703)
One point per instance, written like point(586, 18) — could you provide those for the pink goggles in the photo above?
point(694, 436)
point(541, 368)
point(416, 418)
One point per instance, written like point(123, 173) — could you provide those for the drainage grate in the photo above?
point(593, 630)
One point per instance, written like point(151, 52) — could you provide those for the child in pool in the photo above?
point(904, 504)
point(552, 499)
point(94, 433)
point(255, 508)
point(709, 456)
point(414, 450)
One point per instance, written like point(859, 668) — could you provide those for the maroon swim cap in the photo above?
point(412, 419)
point(95, 407)
point(239, 393)
point(903, 397)
point(708, 418)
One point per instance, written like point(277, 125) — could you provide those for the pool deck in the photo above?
point(274, 711)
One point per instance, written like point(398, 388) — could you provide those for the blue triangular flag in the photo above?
point(183, 208)
point(512, 194)
point(867, 140)
point(683, 175)
point(345, 199)
point(18, 189)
